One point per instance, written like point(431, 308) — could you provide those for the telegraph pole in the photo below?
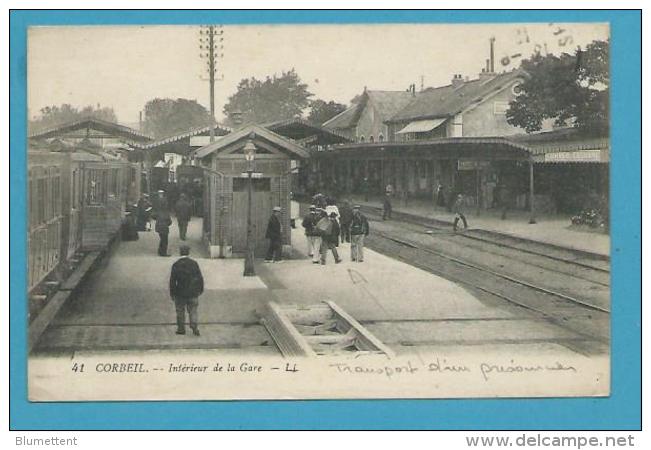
point(211, 45)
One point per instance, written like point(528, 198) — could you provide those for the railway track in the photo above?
point(590, 261)
point(590, 321)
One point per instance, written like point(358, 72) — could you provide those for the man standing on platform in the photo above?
point(458, 209)
point(386, 206)
point(309, 222)
point(346, 216)
point(163, 222)
point(358, 231)
point(331, 240)
point(186, 285)
point(183, 215)
point(274, 234)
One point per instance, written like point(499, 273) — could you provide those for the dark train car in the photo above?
point(46, 210)
point(77, 201)
point(108, 186)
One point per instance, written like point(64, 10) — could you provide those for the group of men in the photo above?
point(325, 226)
point(161, 212)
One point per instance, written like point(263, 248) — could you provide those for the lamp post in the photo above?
point(249, 154)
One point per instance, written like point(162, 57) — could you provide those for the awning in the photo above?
point(578, 151)
point(422, 126)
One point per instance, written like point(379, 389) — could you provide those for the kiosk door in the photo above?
point(260, 212)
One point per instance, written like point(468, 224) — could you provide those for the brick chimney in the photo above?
point(457, 80)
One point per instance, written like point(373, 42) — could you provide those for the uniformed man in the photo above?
point(186, 285)
point(274, 234)
point(163, 222)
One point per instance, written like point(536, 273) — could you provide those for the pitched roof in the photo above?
point(344, 119)
point(387, 103)
point(244, 133)
point(109, 128)
point(448, 100)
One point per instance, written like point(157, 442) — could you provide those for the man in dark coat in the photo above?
point(346, 217)
point(163, 222)
point(359, 229)
point(386, 206)
point(186, 285)
point(183, 215)
point(143, 212)
point(331, 240)
point(274, 234)
point(309, 222)
point(459, 212)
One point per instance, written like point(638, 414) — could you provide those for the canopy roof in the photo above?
point(101, 128)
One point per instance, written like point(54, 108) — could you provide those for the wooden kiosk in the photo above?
point(226, 172)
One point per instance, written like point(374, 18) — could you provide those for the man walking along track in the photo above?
point(186, 285)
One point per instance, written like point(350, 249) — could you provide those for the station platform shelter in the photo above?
point(547, 172)
point(252, 158)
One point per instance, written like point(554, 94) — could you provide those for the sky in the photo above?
point(125, 66)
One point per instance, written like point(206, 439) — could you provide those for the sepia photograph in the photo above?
point(318, 211)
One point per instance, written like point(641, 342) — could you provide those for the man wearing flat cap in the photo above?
point(309, 222)
point(358, 231)
point(186, 285)
point(275, 235)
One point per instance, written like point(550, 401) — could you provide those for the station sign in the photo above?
point(472, 164)
point(574, 156)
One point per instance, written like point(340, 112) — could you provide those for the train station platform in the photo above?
point(125, 305)
point(553, 230)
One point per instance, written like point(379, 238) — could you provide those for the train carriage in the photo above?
point(46, 214)
point(77, 202)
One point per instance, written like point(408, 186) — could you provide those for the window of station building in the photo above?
point(380, 138)
point(362, 138)
point(371, 139)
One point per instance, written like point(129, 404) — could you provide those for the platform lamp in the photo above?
point(249, 155)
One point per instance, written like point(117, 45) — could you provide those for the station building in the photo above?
point(457, 136)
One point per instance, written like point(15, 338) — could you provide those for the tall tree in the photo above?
point(571, 89)
point(321, 112)
point(52, 116)
point(166, 116)
point(275, 98)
